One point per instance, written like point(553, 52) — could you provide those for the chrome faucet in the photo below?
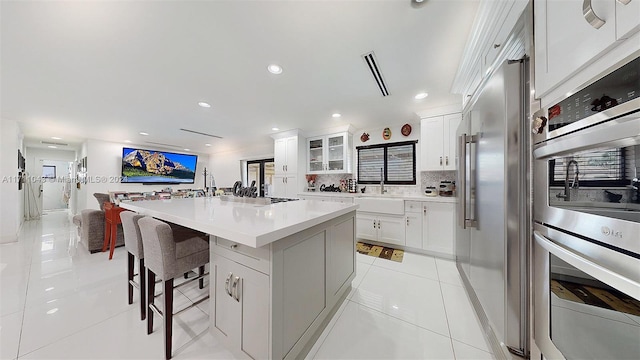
point(574, 185)
point(382, 190)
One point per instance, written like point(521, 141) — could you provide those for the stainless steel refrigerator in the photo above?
point(492, 206)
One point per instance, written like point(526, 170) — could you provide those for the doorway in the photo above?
point(55, 186)
point(261, 171)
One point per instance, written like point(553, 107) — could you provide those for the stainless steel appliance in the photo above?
point(587, 220)
point(492, 206)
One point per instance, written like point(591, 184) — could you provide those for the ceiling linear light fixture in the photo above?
point(275, 69)
point(143, 133)
point(163, 144)
point(56, 138)
point(420, 96)
point(370, 59)
point(207, 144)
point(336, 115)
point(187, 149)
point(52, 147)
point(53, 143)
point(201, 133)
point(204, 104)
point(275, 128)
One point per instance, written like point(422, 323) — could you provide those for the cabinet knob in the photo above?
point(495, 46)
point(407, 221)
point(234, 246)
point(374, 224)
point(378, 224)
point(424, 210)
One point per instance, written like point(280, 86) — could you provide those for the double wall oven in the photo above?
point(586, 252)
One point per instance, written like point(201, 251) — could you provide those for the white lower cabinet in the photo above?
point(241, 306)
point(383, 228)
point(285, 186)
point(430, 226)
point(272, 302)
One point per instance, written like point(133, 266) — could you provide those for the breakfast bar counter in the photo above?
point(278, 272)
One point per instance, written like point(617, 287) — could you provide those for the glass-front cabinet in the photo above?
point(329, 154)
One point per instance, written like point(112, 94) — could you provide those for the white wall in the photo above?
point(10, 196)
point(104, 166)
point(226, 166)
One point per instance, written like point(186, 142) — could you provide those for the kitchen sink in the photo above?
point(381, 204)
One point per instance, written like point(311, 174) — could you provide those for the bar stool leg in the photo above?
point(130, 259)
point(201, 273)
point(167, 315)
point(143, 290)
point(151, 284)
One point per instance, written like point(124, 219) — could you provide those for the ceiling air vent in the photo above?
point(201, 133)
point(372, 63)
point(53, 143)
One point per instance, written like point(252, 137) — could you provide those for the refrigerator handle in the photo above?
point(462, 181)
point(471, 221)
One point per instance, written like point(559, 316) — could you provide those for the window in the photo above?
point(48, 171)
point(608, 167)
point(395, 162)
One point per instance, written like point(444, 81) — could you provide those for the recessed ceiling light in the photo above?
point(56, 138)
point(207, 144)
point(127, 141)
point(275, 129)
point(52, 147)
point(187, 149)
point(204, 104)
point(336, 115)
point(274, 69)
point(421, 96)
point(144, 133)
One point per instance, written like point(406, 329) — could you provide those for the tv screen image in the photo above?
point(157, 167)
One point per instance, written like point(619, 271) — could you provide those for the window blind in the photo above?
point(396, 162)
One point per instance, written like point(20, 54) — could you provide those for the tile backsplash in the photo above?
point(426, 178)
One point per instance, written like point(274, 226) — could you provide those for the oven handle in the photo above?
point(622, 283)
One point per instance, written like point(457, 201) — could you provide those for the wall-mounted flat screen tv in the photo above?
point(157, 167)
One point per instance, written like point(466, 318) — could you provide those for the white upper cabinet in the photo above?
point(329, 154)
point(286, 155)
point(569, 39)
point(438, 142)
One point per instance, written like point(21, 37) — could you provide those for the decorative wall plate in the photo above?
point(364, 137)
point(406, 129)
point(386, 133)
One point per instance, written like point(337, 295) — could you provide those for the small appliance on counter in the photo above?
point(430, 191)
point(447, 188)
point(352, 185)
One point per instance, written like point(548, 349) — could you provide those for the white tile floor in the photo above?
point(57, 301)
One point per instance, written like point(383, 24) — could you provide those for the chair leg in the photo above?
point(151, 284)
point(167, 316)
point(143, 290)
point(130, 259)
point(201, 272)
point(186, 275)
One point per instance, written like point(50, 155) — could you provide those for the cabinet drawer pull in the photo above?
point(446, 160)
point(236, 288)
point(495, 46)
point(374, 224)
point(233, 246)
point(407, 221)
point(226, 284)
point(440, 160)
point(590, 15)
point(378, 224)
point(424, 210)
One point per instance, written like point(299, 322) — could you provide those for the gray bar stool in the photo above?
point(133, 244)
point(168, 257)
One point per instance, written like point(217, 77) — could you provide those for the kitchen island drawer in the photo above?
point(255, 258)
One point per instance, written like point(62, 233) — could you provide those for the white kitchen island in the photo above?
point(278, 272)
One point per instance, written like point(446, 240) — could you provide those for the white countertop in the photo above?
point(444, 199)
point(248, 224)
